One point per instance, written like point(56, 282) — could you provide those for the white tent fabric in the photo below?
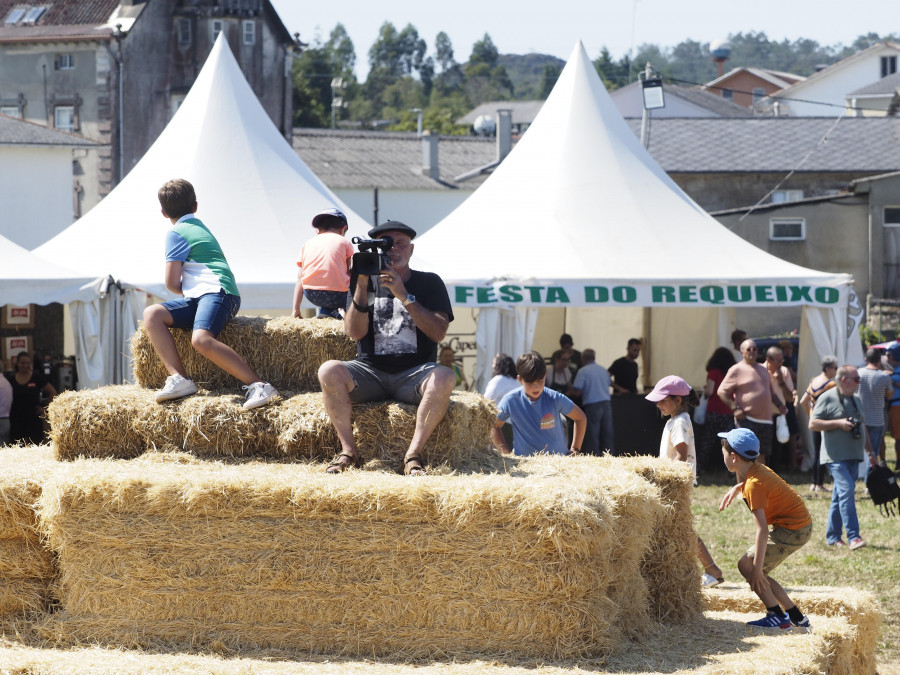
point(26, 278)
point(580, 215)
point(253, 191)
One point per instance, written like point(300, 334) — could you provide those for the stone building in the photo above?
point(115, 71)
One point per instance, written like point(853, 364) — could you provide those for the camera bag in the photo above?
point(883, 489)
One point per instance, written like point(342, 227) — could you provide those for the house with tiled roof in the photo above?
point(115, 71)
point(399, 175)
point(825, 93)
point(878, 98)
point(37, 164)
point(747, 86)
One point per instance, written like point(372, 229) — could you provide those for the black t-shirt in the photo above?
point(625, 373)
point(393, 342)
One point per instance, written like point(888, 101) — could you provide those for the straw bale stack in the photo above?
point(860, 609)
point(123, 421)
point(368, 563)
point(284, 351)
point(715, 644)
point(26, 565)
point(670, 567)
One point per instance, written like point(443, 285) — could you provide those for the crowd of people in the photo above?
point(399, 316)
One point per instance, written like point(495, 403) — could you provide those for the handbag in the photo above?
point(700, 410)
point(782, 433)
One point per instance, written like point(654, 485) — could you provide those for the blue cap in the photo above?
point(329, 213)
point(894, 351)
point(743, 441)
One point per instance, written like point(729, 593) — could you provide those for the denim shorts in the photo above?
point(376, 385)
point(208, 312)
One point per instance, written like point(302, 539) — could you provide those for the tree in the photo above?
point(443, 51)
point(484, 51)
point(548, 79)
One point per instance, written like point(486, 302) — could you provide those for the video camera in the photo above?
point(372, 256)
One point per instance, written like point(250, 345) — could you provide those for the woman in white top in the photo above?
point(504, 379)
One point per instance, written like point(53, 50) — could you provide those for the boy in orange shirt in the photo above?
point(771, 501)
point(324, 274)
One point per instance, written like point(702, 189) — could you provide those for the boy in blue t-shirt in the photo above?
point(534, 413)
point(197, 270)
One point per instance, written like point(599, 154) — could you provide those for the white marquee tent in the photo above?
point(580, 216)
point(253, 191)
point(26, 278)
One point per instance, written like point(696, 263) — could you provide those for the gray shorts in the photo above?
point(376, 385)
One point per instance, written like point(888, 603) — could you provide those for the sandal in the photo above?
point(417, 468)
point(339, 466)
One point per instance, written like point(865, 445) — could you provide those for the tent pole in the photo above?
point(646, 353)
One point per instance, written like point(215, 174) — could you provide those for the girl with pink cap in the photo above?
point(675, 398)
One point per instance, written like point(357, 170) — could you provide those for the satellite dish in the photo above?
point(485, 125)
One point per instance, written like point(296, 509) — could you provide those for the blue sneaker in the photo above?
point(803, 624)
point(771, 620)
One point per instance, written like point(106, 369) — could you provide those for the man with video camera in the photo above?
point(838, 415)
point(398, 316)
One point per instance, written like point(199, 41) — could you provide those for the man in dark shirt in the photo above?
point(398, 318)
point(624, 371)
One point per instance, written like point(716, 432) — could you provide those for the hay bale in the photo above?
point(712, 645)
point(125, 421)
point(370, 563)
point(284, 351)
point(860, 609)
point(26, 565)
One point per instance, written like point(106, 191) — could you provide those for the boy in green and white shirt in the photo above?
point(196, 269)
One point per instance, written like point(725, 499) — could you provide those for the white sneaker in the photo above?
point(709, 581)
point(258, 393)
point(176, 387)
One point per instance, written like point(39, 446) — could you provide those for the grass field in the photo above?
point(875, 568)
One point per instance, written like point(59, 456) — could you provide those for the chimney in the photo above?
point(430, 155)
point(504, 133)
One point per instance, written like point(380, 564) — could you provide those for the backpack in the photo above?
point(883, 489)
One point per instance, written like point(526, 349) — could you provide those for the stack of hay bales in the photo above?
point(125, 421)
point(539, 562)
point(26, 566)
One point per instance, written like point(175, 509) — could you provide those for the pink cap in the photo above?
point(670, 385)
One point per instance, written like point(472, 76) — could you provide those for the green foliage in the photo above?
point(403, 75)
point(870, 336)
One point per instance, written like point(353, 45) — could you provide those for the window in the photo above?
point(10, 110)
point(727, 94)
point(782, 196)
point(184, 31)
point(892, 216)
point(249, 30)
point(65, 62)
point(15, 14)
point(888, 65)
point(216, 26)
point(34, 14)
point(64, 117)
point(758, 94)
point(787, 229)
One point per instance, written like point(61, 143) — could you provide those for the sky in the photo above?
point(554, 27)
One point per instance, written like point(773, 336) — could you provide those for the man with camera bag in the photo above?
point(838, 415)
point(398, 316)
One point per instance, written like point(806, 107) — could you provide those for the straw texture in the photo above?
point(26, 565)
point(367, 563)
point(124, 421)
point(284, 351)
point(859, 608)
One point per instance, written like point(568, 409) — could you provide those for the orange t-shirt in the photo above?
point(324, 263)
point(764, 489)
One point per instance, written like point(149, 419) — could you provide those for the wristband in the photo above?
point(360, 308)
